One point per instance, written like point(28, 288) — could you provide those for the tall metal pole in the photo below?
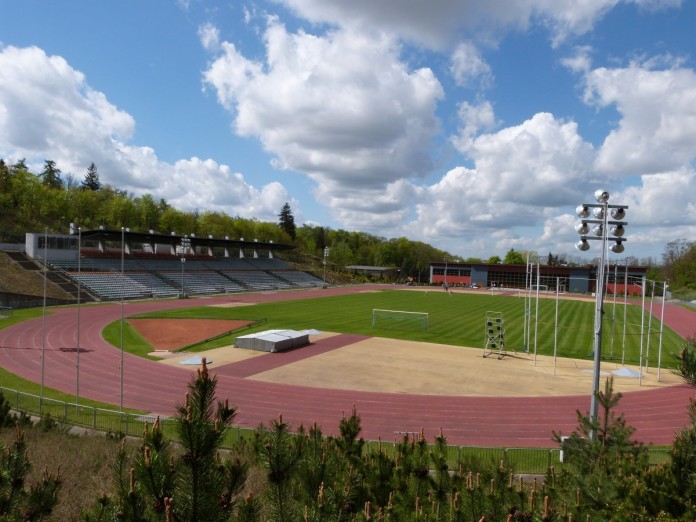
point(613, 311)
point(79, 291)
point(650, 316)
point(601, 212)
point(555, 329)
point(43, 322)
point(536, 312)
point(623, 338)
point(123, 250)
point(662, 327)
point(599, 296)
point(642, 333)
point(525, 343)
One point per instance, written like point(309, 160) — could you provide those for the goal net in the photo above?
point(399, 319)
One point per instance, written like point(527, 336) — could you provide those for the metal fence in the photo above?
point(533, 461)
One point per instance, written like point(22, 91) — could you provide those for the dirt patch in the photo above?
point(171, 334)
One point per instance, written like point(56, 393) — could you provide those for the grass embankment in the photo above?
point(458, 319)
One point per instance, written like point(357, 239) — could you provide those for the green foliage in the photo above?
point(18, 499)
point(194, 484)
point(286, 221)
point(679, 264)
point(514, 258)
point(5, 416)
point(606, 476)
point(686, 361)
point(91, 181)
point(50, 176)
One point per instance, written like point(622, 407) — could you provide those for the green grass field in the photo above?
point(457, 319)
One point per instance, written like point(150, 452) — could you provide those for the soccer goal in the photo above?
point(399, 318)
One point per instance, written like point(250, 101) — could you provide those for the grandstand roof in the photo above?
point(155, 237)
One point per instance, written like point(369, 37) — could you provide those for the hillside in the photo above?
point(16, 279)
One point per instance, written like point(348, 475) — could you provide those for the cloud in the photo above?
point(657, 129)
point(439, 24)
point(48, 111)
point(468, 68)
point(47, 105)
point(209, 36)
point(522, 175)
point(341, 108)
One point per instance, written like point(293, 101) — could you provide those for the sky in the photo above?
point(477, 126)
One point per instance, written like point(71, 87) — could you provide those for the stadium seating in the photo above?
point(160, 275)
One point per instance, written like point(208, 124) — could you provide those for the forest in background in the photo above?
point(50, 201)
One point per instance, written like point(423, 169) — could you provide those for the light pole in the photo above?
point(123, 285)
point(185, 244)
point(446, 259)
point(79, 291)
point(326, 255)
point(600, 211)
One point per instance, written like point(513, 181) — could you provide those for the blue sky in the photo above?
point(473, 125)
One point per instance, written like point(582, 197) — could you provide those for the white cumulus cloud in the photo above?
point(48, 111)
point(341, 108)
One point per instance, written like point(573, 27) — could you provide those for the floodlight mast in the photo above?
point(601, 211)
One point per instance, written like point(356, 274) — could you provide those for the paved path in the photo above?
point(155, 387)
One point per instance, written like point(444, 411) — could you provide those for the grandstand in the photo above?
point(162, 276)
point(114, 265)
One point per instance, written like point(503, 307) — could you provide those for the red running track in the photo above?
point(147, 385)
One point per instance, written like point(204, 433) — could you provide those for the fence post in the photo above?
point(505, 457)
point(94, 417)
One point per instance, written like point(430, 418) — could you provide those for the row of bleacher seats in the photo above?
point(171, 263)
point(161, 276)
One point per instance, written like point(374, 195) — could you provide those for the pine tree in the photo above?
point(286, 221)
point(18, 500)
point(197, 485)
point(600, 472)
point(91, 181)
point(51, 175)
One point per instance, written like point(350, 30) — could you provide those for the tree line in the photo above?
point(50, 200)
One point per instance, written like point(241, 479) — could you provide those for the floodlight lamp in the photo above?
point(618, 231)
point(582, 211)
point(598, 230)
point(582, 245)
point(617, 247)
point(598, 212)
point(618, 213)
point(582, 228)
point(602, 196)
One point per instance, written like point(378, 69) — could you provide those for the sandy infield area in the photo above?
point(396, 366)
point(389, 365)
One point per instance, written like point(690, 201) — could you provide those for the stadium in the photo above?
point(425, 370)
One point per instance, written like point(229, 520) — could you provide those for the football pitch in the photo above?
point(459, 319)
